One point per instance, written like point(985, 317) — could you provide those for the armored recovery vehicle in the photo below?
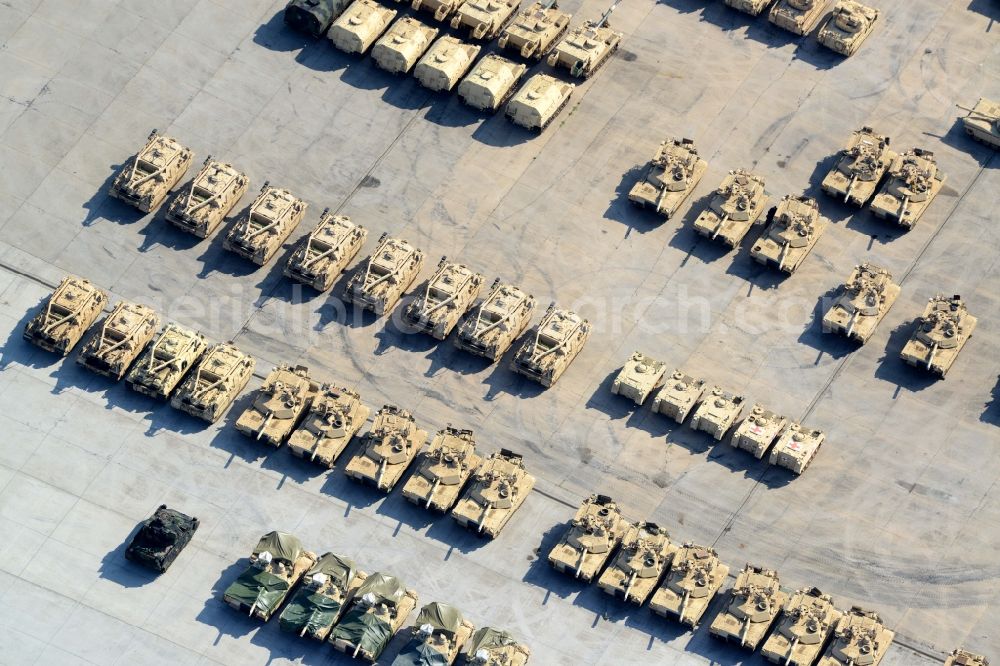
point(327, 588)
point(163, 365)
point(806, 623)
point(862, 302)
point(147, 177)
point(860, 638)
point(639, 376)
point(914, 180)
point(796, 448)
point(398, 50)
point(277, 563)
point(848, 27)
point(492, 326)
point(670, 178)
point(272, 218)
point(754, 604)
point(751, 7)
point(437, 637)
point(360, 25)
point(587, 46)
point(596, 530)
point(201, 206)
point(278, 405)
point(388, 450)
point(736, 206)
point(959, 657)
point(679, 395)
point(758, 431)
point(161, 538)
point(983, 122)
point(557, 340)
point(72, 307)
point(389, 271)
point(791, 235)
point(535, 30)
point(538, 102)
point(119, 339)
point(495, 647)
point(498, 489)
point(644, 556)
point(484, 19)
point(336, 415)
point(378, 610)
point(798, 16)
point(491, 82)
point(449, 293)
point(941, 333)
point(445, 63)
point(322, 255)
point(861, 166)
point(313, 17)
point(443, 469)
point(695, 576)
point(717, 413)
point(210, 389)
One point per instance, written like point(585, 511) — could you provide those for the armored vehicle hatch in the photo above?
point(983, 122)
point(736, 206)
point(557, 340)
point(695, 575)
point(914, 180)
point(595, 532)
point(210, 389)
point(670, 178)
point(643, 558)
point(758, 431)
point(587, 46)
point(327, 588)
point(484, 19)
point(637, 379)
point(941, 333)
point(538, 102)
point(276, 565)
point(961, 657)
point(437, 637)
point(398, 50)
point(201, 206)
point(278, 405)
point(146, 178)
point(379, 609)
point(119, 339)
point(66, 315)
point(791, 235)
point(717, 412)
point(360, 25)
point(313, 17)
point(388, 449)
point(491, 83)
point(321, 256)
point(862, 303)
point(448, 294)
point(163, 365)
point(492, 326)
point(754, 604)
point(752, 7)
point(859, 639)
point(445, 63)
point(335, 417)
point(679, 395)
point(861, 166)
point(498, 489)
point(796, 448)
point(443, 469)
point(272, 218)
point(535, 30)
point(798, 16)
point(806, 623)
point(389, 271)
point(161, 538)
point(848, 27)
point(495, 647)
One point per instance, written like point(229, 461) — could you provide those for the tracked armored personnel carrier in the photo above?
point(336, 415)
point(443, 469)
point(798, 16)
point(278, 405)
point(161, 538)
point(791, 235)
point(201, 206)
point(441, 9)
point(806, 623)
point(321, 256)
point(538, 102)
point(638, 378)
point(983, 122)
point(535, 30)
point(146, 178)
point(861, 166)
point(66, 315)
point(492, 326)
point(491, 83)
point(163, 365)
point(754, 604)
point(961, 657)
point(670, 178)
point(272, 218)
point(210, 389)
point(736, 206)
point(484, 19)
point(388, 450)
point(328, 587)
point(498, 489)
point(596, 530)
point(360, 25)
point(313, 17)
point(495, 647)
point(587, 46)
point(717, 412)
point(679, 395)
point(941, 332)
point(862, 303)
point(751, 7)
point(643, 558)
point(449, 293)
point(758, 431)
point(445, 63)
point(277, 563)
point(398, 50)
point(695, 576)
point(389, 271)
point(860, 638)
point(848, 27)
point(119, 339)
point(378, 610)
point(914, 180)
point(796, 448)
point(437, 637)
point(557, 340)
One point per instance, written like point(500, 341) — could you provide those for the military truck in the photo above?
point(862, 302)
point(495, 647)
point(806, 623)
point(277, 564)
point(638, 377)
point(441, 9)
point(321, 256)
point(278, 405)
point(360, 25)
point(557, 340)
point(679, 395)
point(398, 50)
point(445, 63)
point(161, 538)
point(216, 381)
point(860, 638)
point(736, 206)
point(535, 30)
point(753, 605)
point(796, 448)
point(848, 27)
point(201, 206)
point(959, 657)
point(645, 554)
point(791, 235)
point(313, 17)
point(147, 177)
point(163, 365)
point(437, 637)
point(329, 586)
point(336, 415)
point(914, 180)
point(695, 575)
point(443, 469)
point(940, 335)
point(596, 530)
point(587, 46)
point(798, 16)
point(119, 339)
point(861, 166)
point(538, 102)
point(272, 218)
point(378, 610)
point(66, 315)
point(983, 122)
point(758, 431)
point(752, 7)
point(484, 19)
point(492, 326)
point(491, 83)
point(717, 412)
point(389, 271)
point(447, 295)
point(390, 447)
point(498, 489)
point(670, 178)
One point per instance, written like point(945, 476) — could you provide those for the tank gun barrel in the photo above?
point(603, 21)
point(971, 110)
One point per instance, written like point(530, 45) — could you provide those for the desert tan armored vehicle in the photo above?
point(445, 63)
point(587, 46)
point(272, 218)
point(68, 312)
point(861, 166)
point(860, 638)
point(335, 417)
point(538, 102)
point(437, 636)
point(670, 177)
point(498, 489)
point(201, 206)
point(535, 30)
point(327, 588)
point(798, 16)
point(449, 293)
point(983, 122)
point(758, 431)
point(717, 412)
point(961, 657)
point(278, 405)
point(637, 379)
point(752, 7)
point(796, 448)
point(119, 339)
point(146, 178)
point(379, 609)
point(313, 17)
point(736, 206)
point(398, 50)
point(806, 623)
point(494, 647)
point(321, 257)
point(360, 25)
point(484, 19)
point(848, 27)
point(679, 395)
point(391, 268)
point(791, 235)
point(596, 530)
point(492, 326)
point(644, 556)
point(277, 563)
point(441, 9)
point(216, 381)
point(557, 340)
point(754, 603)
point(914, 180)
point(443, 469)
point(941, 332)
point(695, 575)
point(388, 449)
point(862, 303)
point(491, 83)
point(163, 365)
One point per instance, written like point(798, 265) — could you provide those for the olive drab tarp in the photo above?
point(418, 653)
point(281, 545)
point(340, 569)
point(363, 629)
point(488, 637)
point(310, 611)
point(385, 588)
point(256, 585)
point(442, 617)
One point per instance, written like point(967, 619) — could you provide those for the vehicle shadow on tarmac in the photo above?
point(893, 369)
point(160, 232)
point(826, 342)
point(115, 568)
point(991, 413)
point(102, 206)
point(541, 574)
point(18, 350)
point(276, 36)
point(620, 209)
point(687, 240)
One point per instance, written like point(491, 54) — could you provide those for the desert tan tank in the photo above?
point(679, 395)
point(146, 178)
point(445, 63)
point(272, 218)
point(437, 636)
point(643, 558)
point(538, 102)
point(983, 122)
point(201, 206)
point(360, 25)
point(914, 180)
point(806, 623)
point(736, 206)
point(848, 27)
point(278, 405)
point(557, 340)
point(322, 255)
point(752, 7)
point(535, 30)
point(596, 530)
point(68, 312)
point(638, 378)
point(861, 166)
point(484, 19)
point(389, 271)
point(941, 332)
point(443, 469)
point(791, 235)
point(163, 365)
point(758, 431)
point(495, 647)
point(960, 657)
point(796, 448)
point(379, 609)
point(492, 326)
point(336, 416)
point(216, 381)
point(441, 9)
point(448, 294)
point(798, 16)
point(388, 449)
point(119, 339)
point(398, 50)
point(753, 604)
point(491, 83)
point(498, 489)
point(670, 177)
point(695, 575)
point(717, 412)
point(860, 639)
point(587, 46)
point(862, 303)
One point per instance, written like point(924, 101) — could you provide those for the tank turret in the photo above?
point(695, 577)
point(754, 604)
point(983, 122)
point(390, 447)
point(860, 639)
point(498, 489)
point(200, 207)
point(586, 545)
point(147, 177)
point(941, 333)
point(587, 46)
point(848, 27)
point(535, 30)
point(914, 180)
point(443, 469)
point(798, 16)
point(66, 315)
point(336, 415)
point(556, 342)
point(791, 235)
point(861, 303)
point(670, 178)
point(390, 270)
point(860, 168)
point(260, 233)
point(645, 554)
point(806, 623)
point(736, 206)
point(323, 254)
point(282, 400)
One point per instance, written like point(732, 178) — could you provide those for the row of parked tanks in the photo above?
point(846, 27)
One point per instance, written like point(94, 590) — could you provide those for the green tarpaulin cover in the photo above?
point(257, 585)
point(310, 611)
point(488, 638)
point(364, 629)
point(418, 653)
point(385, 588)
point(442, 617)
point(340, 569)
point(281, 545)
